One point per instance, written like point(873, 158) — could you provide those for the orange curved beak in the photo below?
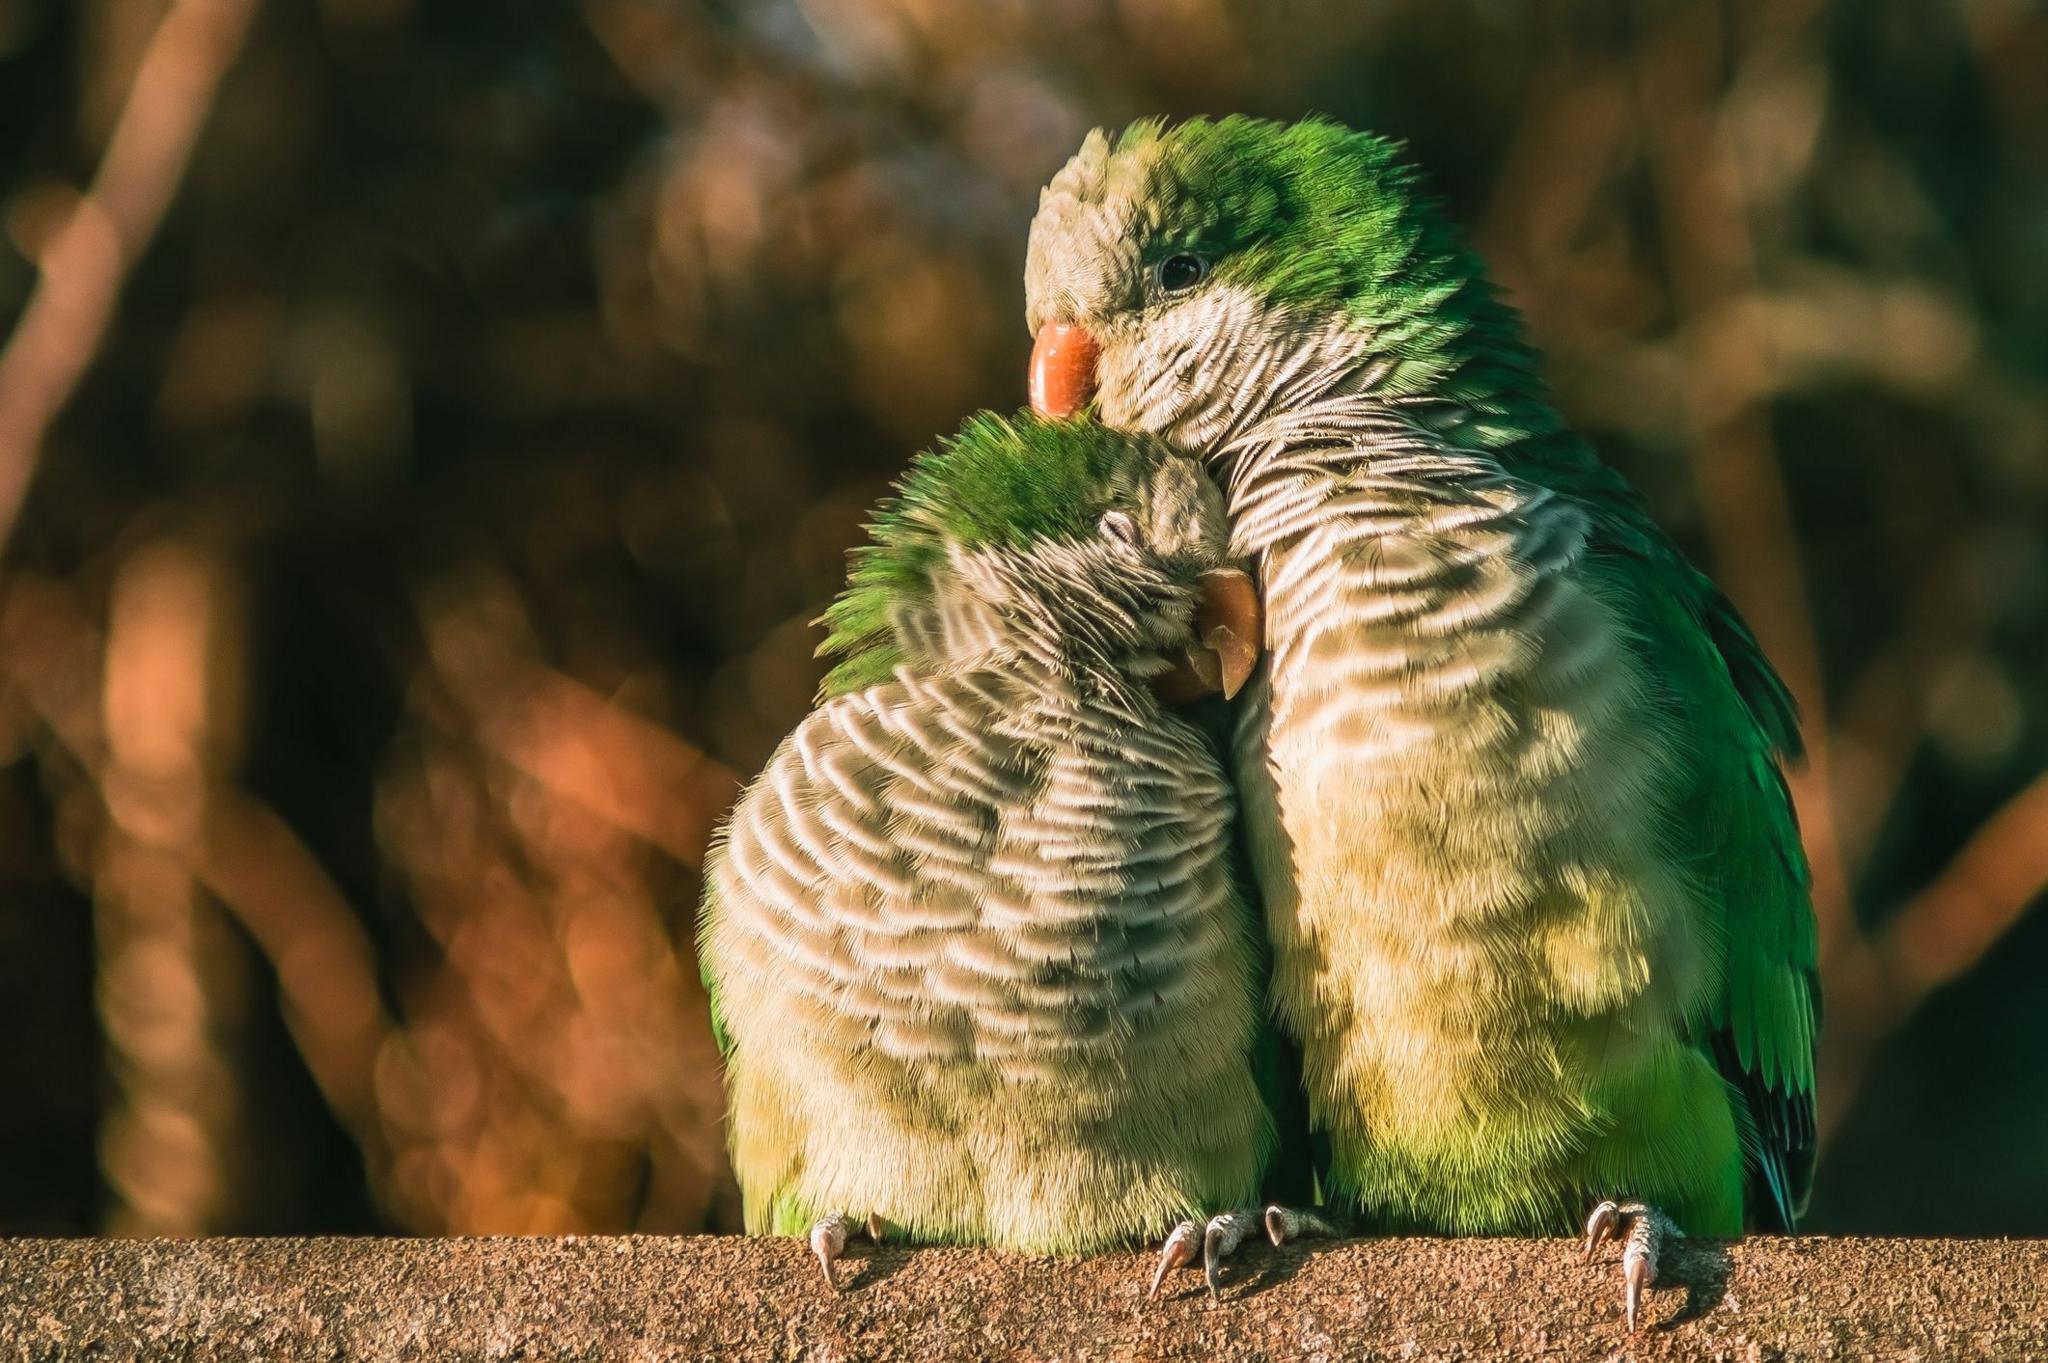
point(1062, 369)
point(1228, 627)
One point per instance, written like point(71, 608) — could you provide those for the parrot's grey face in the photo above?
point(1115, 302)
point(1191, 280)
point(1125, 299)
point(1149, 591)
point(1175, 516)
point(1207, 635)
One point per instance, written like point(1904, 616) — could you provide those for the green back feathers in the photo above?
point(999, 483)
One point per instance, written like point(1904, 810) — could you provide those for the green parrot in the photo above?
point(1511, 770)
point(980, 960)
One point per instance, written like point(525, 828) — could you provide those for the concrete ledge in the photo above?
point(639, 1298)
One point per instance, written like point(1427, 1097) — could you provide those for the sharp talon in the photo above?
point(828, 1242)
point(1284, 1224)
point(1636, 1273)
point(1604, 1224)
point(1178, 1252)
point(1643, 1231)
point(1224, 1234)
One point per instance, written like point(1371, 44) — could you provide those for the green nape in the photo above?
point(1307, 212)
point(1315, 216)
point(1001, 482)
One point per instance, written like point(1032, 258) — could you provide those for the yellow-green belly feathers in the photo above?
point(1454, 785)
point(986, 972)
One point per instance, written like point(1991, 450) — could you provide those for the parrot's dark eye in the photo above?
point(1178, 274)
point(1116, 525)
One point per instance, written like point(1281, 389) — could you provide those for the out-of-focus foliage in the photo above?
point(442, 519)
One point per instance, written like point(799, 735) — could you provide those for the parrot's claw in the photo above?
point(1644, 1231)
point(1178, 1253)
point(1285, 1223)
point(828, 1241)
point(1215, 1240)
point(1220, 1239)
point(1600, 1226)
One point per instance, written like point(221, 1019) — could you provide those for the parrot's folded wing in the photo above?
point(1735, 828)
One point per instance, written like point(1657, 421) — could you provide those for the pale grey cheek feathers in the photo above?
point(1092, 615)
point(1082, 260)
point(1183, 509)
point(1204, 372)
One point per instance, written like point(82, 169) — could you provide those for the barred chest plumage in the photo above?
point(1453, 777)
point(1015, 885)
point(983, 959)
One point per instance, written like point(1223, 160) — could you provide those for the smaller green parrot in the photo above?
point(979, 962)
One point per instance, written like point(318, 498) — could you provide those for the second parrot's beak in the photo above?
point(1062, 369)
point(1228, 627)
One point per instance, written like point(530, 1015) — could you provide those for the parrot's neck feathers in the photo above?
point(1030, 488)
point(1345, 433)
point(1265, 377)
point(1073, 617)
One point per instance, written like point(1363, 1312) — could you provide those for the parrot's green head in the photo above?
point(1094, 553)
point(1191, 279)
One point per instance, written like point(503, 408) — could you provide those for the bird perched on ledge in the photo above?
point(1510, 771)
point(977, 955)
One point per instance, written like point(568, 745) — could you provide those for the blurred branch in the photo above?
point(171, 983)
point(1884, 716)
point(524, 808)
point(636, 775)
point(1741, 484)
point(559, 1033)
point(86, 259)
point(240, 850)
point(1946, 928)
point(326, 970)
point(1939, 935)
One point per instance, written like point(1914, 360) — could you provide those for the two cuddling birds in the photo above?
point(1491, 913)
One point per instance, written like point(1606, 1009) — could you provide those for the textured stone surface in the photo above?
point(644, 1299)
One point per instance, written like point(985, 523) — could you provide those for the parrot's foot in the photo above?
point(828, 1240)
point(1645, 1232)
point(1225, 1231)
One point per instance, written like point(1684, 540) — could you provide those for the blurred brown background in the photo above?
point(426, 430)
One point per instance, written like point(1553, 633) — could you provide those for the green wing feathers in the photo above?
point(1737, 834)
point(1766, 1033)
